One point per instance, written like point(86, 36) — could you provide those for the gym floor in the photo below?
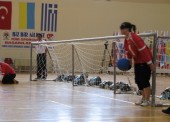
point(48, 101)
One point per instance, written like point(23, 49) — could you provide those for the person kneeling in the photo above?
point(8, 74)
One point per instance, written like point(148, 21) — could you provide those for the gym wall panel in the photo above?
point(91, 18)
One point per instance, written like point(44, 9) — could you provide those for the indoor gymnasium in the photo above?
point(85, 61)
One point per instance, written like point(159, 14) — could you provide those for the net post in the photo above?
point(73, 63)
point(154, 72)
point(84, 73)
point(31, 62)
point(114, 61)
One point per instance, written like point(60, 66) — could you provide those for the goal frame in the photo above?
point(155, 39)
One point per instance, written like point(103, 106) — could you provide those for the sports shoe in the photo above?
point(166, 111)
point(37, 79)
point(145, 103)
point(16, 82)
point(43, 78)
point(139, 102)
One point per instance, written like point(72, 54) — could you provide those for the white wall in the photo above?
point(91, 18)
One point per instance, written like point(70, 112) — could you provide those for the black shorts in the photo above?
point(142, 75)
point(8, 79)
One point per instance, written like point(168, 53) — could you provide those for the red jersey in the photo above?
point(136, 48)
point(6, 69)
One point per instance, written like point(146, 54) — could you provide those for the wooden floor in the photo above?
point(48, 101)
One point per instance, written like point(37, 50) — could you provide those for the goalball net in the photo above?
point(92, 62)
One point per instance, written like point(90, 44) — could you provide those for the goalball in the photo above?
point(123, 64)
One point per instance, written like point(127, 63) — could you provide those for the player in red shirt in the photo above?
point(137, 50)
point(8, 74)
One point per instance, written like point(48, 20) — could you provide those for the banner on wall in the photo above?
point(21, 39)
point(29, 24)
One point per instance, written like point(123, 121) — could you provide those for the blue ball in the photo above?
point(123, 64)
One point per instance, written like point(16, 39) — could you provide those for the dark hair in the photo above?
point(129, 26)
point(39, 35)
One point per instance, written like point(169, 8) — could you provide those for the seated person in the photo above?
point(8, 74)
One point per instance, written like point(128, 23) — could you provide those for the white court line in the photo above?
point(60, 103)
point(101, 96)
point(52, 102)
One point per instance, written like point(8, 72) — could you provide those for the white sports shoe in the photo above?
point(145, 103)
point(139, 102)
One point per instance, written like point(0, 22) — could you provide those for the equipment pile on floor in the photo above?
point(82, 79)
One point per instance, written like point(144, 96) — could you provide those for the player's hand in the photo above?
point(152, 67)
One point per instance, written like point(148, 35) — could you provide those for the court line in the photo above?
point(101, 96)
point(78, 106)
point(52, 102)
point(60, 103)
